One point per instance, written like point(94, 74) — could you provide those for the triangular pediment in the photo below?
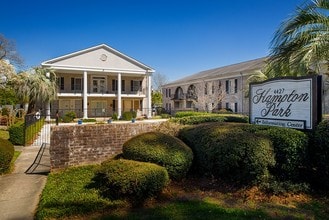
point(101, 57)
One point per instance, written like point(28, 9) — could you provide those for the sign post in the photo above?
point(292, 102)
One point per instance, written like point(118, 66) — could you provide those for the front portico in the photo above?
point(100, 81)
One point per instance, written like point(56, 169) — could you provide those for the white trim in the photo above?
point(96, 69)
point(119, 96)
point(85, 96)
point(130, 59)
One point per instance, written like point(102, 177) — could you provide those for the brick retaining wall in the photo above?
point(72, 145)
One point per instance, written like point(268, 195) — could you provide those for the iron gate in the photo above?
point(36, 129)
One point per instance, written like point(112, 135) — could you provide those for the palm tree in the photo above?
point(301, 44)
point(43, 87)
point(36, 86)
point(21, 84)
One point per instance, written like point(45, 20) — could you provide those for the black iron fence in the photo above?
point(36, 130)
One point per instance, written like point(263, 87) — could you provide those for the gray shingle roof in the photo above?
point(246, 66)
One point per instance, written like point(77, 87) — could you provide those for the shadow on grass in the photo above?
point(189, 210)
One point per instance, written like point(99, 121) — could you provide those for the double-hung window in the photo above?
point(76, 84)
point(61, 83)
point(135, 85)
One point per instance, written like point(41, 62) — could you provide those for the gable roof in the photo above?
point(98, 58)
point(247, 66)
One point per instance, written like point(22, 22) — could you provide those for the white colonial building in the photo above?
point(99, 81)
point(220, 88)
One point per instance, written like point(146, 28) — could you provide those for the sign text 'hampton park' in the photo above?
point(286, 102)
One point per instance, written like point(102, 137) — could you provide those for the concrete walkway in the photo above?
point(20, 191)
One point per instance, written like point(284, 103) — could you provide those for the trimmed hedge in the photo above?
point(162, 149)
point(6, 155)
point(189, 113)
point(16, 133)
point(226, 151)
point(320, 155)
point(131, 180)
point(290, 148)
point(191, 118)
point(126, 116)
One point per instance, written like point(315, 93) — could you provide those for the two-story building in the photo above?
point(225, 87)
point(210, 90)
point(100, 81)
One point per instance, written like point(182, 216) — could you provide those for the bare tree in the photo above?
point(158, 80)
point(206, 96)
point(8, 51)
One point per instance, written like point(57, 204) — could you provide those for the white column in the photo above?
point(85, 98)
point(149, 96)
point(48, 103)
point(119, 96)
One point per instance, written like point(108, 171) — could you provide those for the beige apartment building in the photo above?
point(100, 81)
point(220, 88)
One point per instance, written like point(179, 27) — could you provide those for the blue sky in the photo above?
point(175, 37)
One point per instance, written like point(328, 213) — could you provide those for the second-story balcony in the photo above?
point(101, 93)
point(178, 96)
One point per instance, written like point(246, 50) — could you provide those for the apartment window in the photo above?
point(212, 87)
point(227, 105)
point(236, 107)
point(206, 88)
point(61, 83)
point(227, 86)
point(123, 85)
point(169, 92)
point(235, 85)
point(115, 85)
point(76, 84)
point(135, 85)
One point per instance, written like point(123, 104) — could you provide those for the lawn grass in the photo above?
point(70, 194)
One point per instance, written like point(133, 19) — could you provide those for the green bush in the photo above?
point(127, 116)
point(290, 148)
point(191, 118)
point(133, 114)
point(131, 180)
point(319, 151)
point(69, 117)
point(226, 151)
point(6, 155)
point(5, 111)
point(165, 115)
point(86, 120)
point(115, 116)
point(189, 113)
point(162, 149)
point(16, 133)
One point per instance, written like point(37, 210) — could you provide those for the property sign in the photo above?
point(286, 102)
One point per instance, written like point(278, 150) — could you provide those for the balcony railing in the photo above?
point(69, 91)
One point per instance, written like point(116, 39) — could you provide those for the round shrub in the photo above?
point(162, 149)
point(320, 154)
point(127, 116)
point(290, 148)
point(226, 151)
point(132, 180)
point(6, 155)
